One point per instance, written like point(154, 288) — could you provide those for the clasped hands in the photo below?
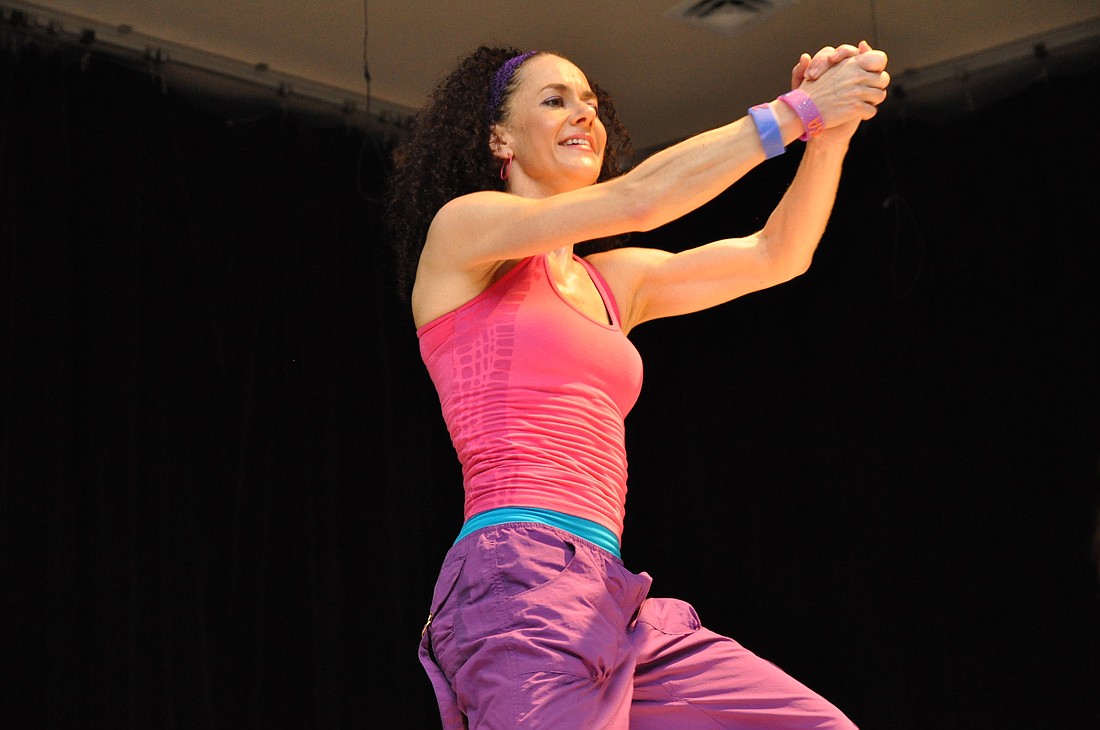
point(847, 83)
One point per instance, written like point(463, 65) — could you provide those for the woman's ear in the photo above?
point(498, 142)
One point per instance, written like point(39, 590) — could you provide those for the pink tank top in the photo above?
point(534, 394)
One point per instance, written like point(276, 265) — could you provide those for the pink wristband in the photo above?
point(806, 110)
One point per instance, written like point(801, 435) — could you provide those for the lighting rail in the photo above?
point(198, 70)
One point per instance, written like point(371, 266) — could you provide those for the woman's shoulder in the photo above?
point(473, 203)
point(467, 222)
point(459, 220)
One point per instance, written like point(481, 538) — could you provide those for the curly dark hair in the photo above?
point(447, 155)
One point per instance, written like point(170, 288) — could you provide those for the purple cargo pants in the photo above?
point(533, 627)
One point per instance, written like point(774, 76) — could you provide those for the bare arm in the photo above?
point(479, 230)
point(651, 283)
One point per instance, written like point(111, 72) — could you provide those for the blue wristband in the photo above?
point(767, 126)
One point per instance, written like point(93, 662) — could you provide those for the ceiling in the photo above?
point(669, 79)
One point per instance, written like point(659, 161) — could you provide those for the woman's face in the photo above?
point(551, 129)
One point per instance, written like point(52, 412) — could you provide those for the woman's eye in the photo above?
point(554, 101)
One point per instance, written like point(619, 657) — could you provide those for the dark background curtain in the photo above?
point(225, 486)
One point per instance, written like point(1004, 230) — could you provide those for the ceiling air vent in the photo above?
point(728, 17)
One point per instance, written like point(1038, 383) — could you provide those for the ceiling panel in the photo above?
point(669, 79)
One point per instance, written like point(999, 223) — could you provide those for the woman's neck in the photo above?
point(561, 256)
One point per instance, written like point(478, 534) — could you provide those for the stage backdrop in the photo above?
point(225, 486)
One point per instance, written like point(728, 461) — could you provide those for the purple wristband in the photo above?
point(806, 110)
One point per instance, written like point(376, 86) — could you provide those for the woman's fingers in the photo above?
point(798, 73)
point(828, 57)
point(852, 88)
point(874, 94)
point(847, 82)
point(819, 63)
point(872, 60)
point(845, 50)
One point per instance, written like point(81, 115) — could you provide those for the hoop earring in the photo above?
point(505, 166)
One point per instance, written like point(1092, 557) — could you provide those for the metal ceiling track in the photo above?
point(195, 69)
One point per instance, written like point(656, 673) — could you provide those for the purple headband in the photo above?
point(501, 79)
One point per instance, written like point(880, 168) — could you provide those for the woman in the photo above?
point(535, 622)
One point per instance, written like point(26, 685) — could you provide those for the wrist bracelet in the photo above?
point(767, 126)
point(806, 110)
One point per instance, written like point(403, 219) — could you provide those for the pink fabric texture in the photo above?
point(534, 394)
point(531, 626)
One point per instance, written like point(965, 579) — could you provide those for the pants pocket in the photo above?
point(436, 637)
point(530, 559)
point(669, 616)
point(439, 629)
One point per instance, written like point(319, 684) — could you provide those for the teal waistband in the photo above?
point(588, 530)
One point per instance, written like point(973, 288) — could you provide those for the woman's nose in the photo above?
point(584, 114)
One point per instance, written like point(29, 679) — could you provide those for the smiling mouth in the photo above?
point(582, 143)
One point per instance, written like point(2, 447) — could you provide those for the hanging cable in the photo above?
point(874, 24)
point(900, 217)
point(367, 138)
point(366, 65)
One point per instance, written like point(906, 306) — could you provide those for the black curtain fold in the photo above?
point(225, 485)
